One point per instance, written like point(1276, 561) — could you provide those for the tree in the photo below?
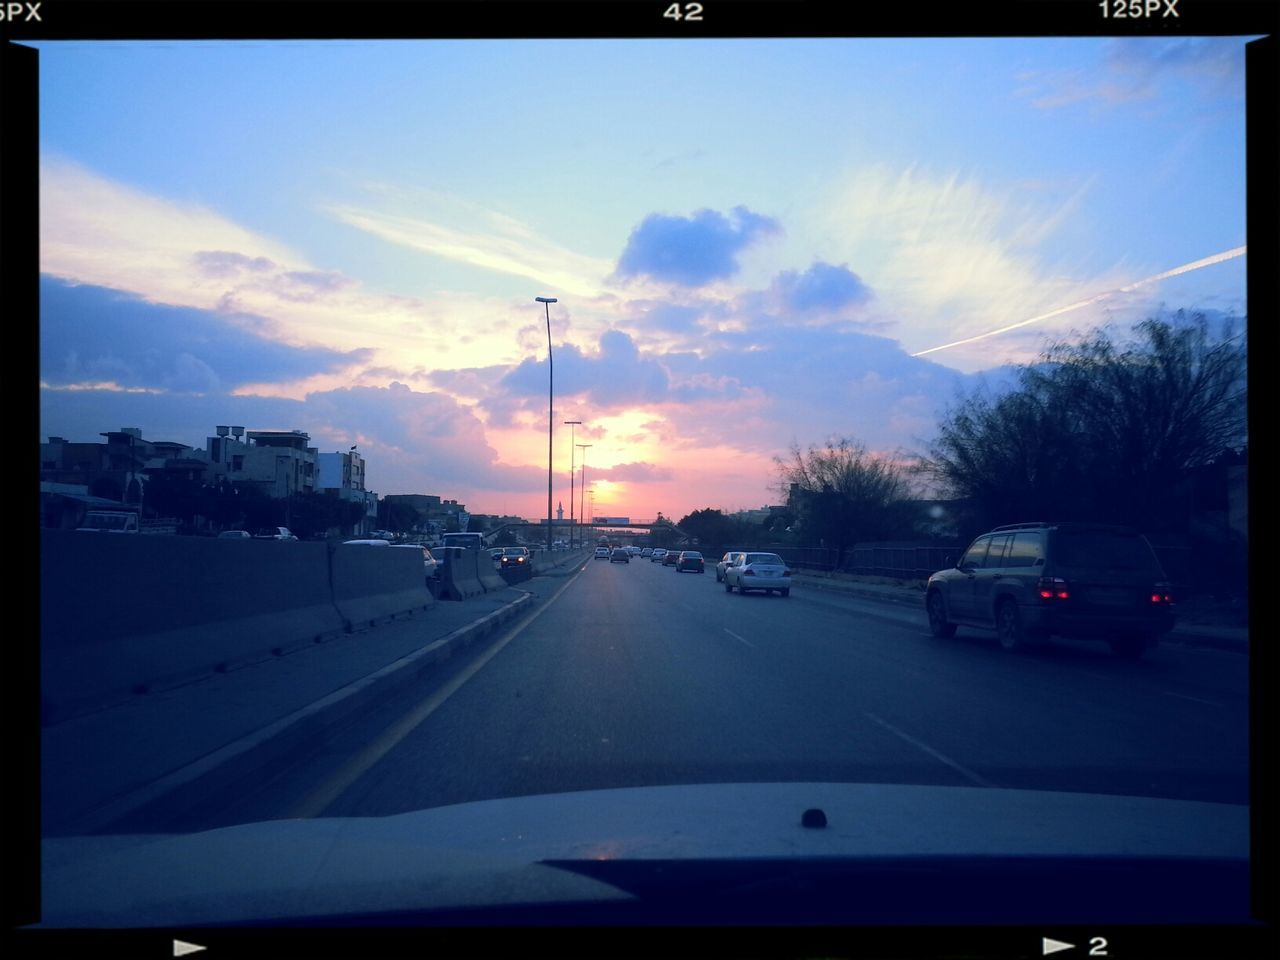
point(1100, 431)
point(711, 527)
point(842, 493)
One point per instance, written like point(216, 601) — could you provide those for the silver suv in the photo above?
point(1030, 581)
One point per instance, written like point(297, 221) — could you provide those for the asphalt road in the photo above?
point(632, 674)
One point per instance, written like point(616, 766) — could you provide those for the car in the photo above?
point(646, 552)
point(657, 555)
point(602, 553)
point(690, 560)
point(234, 535)
point(724, 562)
point(766, 572)
point(274, 533)
point(1031, 581)
point(514, 557)
point(670, 557)
point(431, 566)
point(619, 555)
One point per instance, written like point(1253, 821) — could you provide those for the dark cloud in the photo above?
point(635, 472)
point(224, 263)
point(821, 287)
point(692, 251)
point(90, 334)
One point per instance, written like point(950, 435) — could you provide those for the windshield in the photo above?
point(849, 304)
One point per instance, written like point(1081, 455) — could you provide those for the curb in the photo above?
point(244, 759)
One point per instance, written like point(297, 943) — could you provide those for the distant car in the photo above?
point(670, 557)
point(234, 535)
point(368, 542)
point(602, 553)
point(690, 560)
point(430, 565)
point(657, 555)
point(1029, 581)
point(619, 555)
point(274, 533)
point(646, 552)
point(724, 562)
point(766, 572)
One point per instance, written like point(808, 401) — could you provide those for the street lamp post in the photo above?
point(571, 424)
point(551, 377)
point(582, 517)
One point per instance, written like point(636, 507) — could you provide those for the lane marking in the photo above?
point(964, 771)
point(321, 798)
point(1183, 696)
point(736, 637)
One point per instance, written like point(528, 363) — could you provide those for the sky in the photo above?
point(752, 243)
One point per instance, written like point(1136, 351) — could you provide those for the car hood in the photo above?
point(513, 851)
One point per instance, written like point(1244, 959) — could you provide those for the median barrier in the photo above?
point(490, 578)
point(372, 584)
point(460, 573)
point(121, 615)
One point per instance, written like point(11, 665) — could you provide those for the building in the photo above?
point(342, 475)
point(278, 462)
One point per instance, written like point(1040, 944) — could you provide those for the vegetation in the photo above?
point(1100, 431)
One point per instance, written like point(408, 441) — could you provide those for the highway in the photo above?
point(633, 674)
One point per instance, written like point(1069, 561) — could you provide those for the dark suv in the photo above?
point(1029, 581)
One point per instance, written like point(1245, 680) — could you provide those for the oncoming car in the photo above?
point(1030, 581)
point(765, 572)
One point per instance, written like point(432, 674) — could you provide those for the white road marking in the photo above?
point(964, 771)
point(736, 637)
point(321, 798)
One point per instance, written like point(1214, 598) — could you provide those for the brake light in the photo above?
point(748, 572)
point(1162, 594)
point(1053, 588)
point(786, 573)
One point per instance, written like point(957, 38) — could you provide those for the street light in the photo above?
point(571, 424)
point(582, 517)
point(551, 376)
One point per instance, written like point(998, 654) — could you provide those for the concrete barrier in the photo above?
point(122, 615)
point(460, 575)
point(372, 584)
point(490, 578)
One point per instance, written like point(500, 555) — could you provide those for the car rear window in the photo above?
point(764, 558)
point(1097, 550)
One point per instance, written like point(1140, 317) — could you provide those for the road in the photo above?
point(633, 674)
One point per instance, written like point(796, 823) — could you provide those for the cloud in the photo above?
point(487, 239)
point(692, 251)
point(822, 287)
point(1134, 68)
point(633, 472)
point(93, 334)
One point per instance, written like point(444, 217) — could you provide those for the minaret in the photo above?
point(560, 511)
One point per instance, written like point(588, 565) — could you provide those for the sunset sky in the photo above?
point(752, 242)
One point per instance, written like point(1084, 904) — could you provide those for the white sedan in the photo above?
point(758, 571)
point(602, 553)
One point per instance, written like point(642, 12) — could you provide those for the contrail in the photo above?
point(1185, 268)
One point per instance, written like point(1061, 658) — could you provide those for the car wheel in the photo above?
point(728, 587)
point(1130, 647)
point(1013, 637)
point(785, 591)
point(718, 577)
point(937, 609)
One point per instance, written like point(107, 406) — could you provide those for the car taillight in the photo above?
point(1162, 594)
point(1053, 588)
point(786, 573)
point(748, 572)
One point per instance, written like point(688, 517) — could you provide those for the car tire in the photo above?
point(1130, 647)
point(936, 607)
point(728, 587)
point(785, 591)
point(718, 577)
point(1009, 627)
